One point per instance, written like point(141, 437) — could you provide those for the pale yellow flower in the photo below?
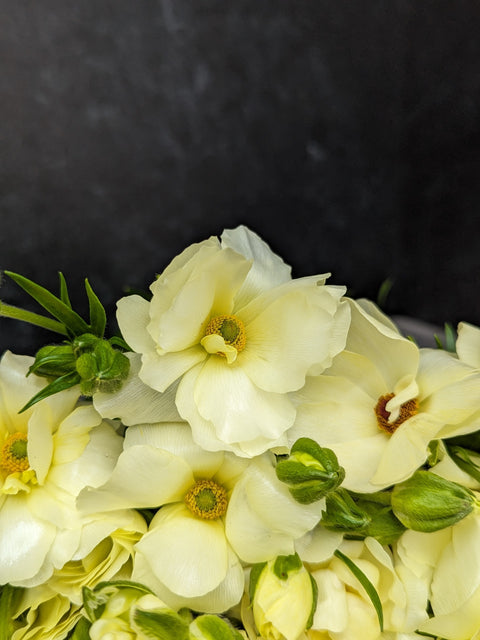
point(228, 325)
point(383, 400)
point(47, 455)
point(468, 344)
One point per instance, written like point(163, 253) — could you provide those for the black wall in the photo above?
point(347, 134)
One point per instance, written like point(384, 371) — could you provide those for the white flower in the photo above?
point(216, 510)
point(383, 400)
point(468, 344)
point(450, 560)
point(229, 326)
point(345, 611)
point(47, 455)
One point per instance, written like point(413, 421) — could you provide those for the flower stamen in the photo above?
point(230, 328)
point(13, 455)
point(207, 500)
point(407, 410)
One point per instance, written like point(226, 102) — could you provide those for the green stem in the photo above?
point(8, 311)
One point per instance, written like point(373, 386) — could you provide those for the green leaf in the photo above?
point(383, 292)
point(81, 631)
point(53, 361)
point(15, 313)
point(98, 317)
point(366, 584)
point(314, 601)
point(55, 306)
point(8, 601)
point(60, 384)
point(64, 297)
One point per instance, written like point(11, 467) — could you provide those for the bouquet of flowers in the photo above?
point(254, 456)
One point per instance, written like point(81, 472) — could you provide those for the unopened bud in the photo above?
point(426, 502)
point(310, 471)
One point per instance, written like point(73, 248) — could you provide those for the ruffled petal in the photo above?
point(135, 402)
point(187, 554)
point(133, 318)
point(239, 411)
point(161, 371)
point(143, 477)
point(26, 541)
point(268, 269)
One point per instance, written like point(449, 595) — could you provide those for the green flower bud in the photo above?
point(310, 471)
point(426, 502)
point(343, 514)
point(283, 586)
point(99, 365)
point(53, 361)
point(211, 627)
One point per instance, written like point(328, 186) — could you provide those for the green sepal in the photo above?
point(343, 514)
point(94, 600)
point(165, 625)
point(81, 630)
point(66, 381)
point(426, 502)
point(55, 306)
point(283, 565)
point(102, 369)
point(212, 627)
point(98, 317)
point(310, 471)
point(463, 458)
point(255, 573)
point(383, 525)
point(9, 597)
point(366, 584)
point(53, 361)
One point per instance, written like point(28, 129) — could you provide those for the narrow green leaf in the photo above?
point(450, 338)
point(15, 313)
point(58, 309)
point(366, 584)
point(64, 297)
point(60, 384)
point(116, 341)
point(383, 292)
point(8, 601)
point(81, 631)
point(98, 317)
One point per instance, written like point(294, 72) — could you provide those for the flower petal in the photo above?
point(468, 344)
point(161, 371)
point(133, 318)
point(135, 402)
point(143, 477)
point(187, 554)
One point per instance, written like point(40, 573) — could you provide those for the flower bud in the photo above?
point(426, 502)
point(310, 471)
point(284, 596)
point(211, 627)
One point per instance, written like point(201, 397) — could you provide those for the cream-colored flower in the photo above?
point(228, 325)
point(345, 611)
point(383, 400)
point(216, 511)
point(47, 455)
point(44, 616)
point(468, 344)
point(449, 560)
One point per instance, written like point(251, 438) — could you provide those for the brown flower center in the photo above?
point(407, 410)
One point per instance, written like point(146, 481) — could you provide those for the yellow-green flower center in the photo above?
point(230, 328)
point(407, 410)
point(13, 455)
point(207, 500)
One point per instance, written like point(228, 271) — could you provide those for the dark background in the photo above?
point(347, 134)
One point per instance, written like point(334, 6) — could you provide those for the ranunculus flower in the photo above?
point(345, 611)
point(383, 400)
point(47, 455)
point(228, 325)
point(216, 510)
point(450, 561)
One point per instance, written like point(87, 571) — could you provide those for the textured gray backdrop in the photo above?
point(347, 134)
